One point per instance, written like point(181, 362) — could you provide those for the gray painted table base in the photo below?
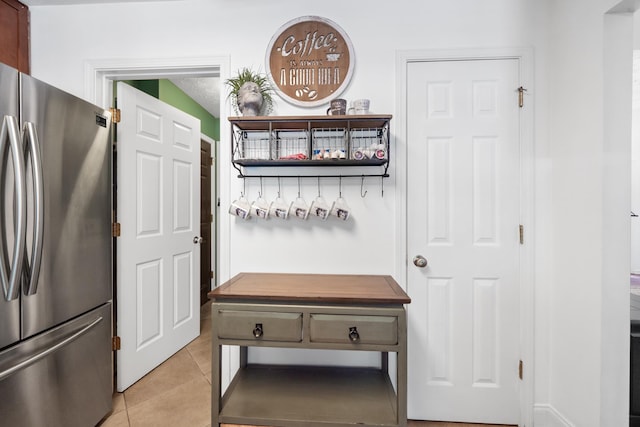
point(313, 396)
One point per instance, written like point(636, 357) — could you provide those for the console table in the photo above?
point(311, 311)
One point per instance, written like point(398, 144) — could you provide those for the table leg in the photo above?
point(384, 362)
point(243, 356)
point(216, 369)
point(402, 370)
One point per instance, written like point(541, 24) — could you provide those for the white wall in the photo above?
point(635, 159)
point(589, 128)
point(242, 30)
point(635, 155)
point(576, 176)
point(567, 38)
point(616, 186)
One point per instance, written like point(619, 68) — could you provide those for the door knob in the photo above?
point(197, 240)
point(419, 261)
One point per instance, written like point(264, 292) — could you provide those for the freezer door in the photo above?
point(62, 378)
point(9, 310)
point(75, 147)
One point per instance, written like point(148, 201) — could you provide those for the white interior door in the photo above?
point(158, 260)
point(463, 218)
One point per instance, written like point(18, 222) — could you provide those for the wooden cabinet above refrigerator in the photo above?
point(14, 33)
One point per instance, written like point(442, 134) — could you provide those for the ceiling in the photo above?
point(203, 90)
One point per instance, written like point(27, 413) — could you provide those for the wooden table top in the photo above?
point(322, 288)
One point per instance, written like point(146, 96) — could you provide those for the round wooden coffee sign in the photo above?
point(310, 61)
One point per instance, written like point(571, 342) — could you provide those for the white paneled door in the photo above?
point(463, 219)
point(158, 253)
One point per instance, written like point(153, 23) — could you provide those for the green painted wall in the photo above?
point(150, 87)
point(167, 92)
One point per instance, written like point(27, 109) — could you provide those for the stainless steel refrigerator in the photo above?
point(55, 256)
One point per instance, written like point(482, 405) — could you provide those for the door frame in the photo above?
point(527, 195)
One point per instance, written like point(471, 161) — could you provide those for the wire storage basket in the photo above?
point(253, 145)
point(329, 143)
point(291, 145)
point(369, 144)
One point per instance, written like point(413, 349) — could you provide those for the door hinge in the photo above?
point(115, 343)
point(520, 369)
point(115, 229)
point(210, 217)
point(521, 92)
point(210, 161)
point(211, 274)
point(115, 115)
point(521, 227)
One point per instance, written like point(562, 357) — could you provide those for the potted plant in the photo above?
point(250, 93)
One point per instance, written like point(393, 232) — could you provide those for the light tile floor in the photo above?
point(178, 392)
point(175, 394)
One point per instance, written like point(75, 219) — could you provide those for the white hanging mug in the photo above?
point(320, 208)
point(299, 208)
point(279, 208)
point(340, 209)
point(240, 208)
point(260, 208)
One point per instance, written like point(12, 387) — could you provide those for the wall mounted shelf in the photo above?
point(310, 141)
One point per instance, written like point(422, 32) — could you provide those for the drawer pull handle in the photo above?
point(257, 331)
point(353, 334)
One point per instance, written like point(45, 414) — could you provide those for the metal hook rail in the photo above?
point(363, 192)
point(386, 175)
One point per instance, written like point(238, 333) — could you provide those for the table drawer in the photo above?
point(260, 326)
point(353, 329)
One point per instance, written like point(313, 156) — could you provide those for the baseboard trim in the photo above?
point(547, 416)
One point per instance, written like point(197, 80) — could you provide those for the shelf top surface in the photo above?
point(320, 288)
point(303, 122)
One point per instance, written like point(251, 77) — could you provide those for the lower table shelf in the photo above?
point(288, 396)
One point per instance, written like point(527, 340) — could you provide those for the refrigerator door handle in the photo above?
point(66, 340)
point(32, 269)
point(11, 279)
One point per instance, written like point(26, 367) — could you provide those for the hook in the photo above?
point(318, 186)
point(278, 187)
point(382, 186)
point(260, 192)
point(362, 187)
point(244, 187)
point(340, 187)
